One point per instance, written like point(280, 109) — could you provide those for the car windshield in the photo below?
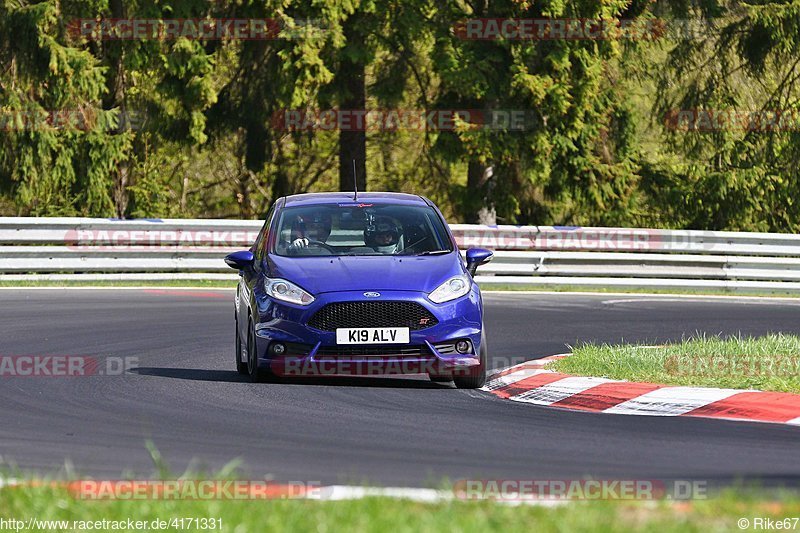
point(361, 229)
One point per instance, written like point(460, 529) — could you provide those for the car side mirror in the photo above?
point(243, 260)
point(477, 257)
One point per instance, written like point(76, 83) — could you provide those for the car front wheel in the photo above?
point(474, 377)
point(240, 366)
point(256, 375)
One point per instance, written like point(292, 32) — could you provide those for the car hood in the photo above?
point(365, 273)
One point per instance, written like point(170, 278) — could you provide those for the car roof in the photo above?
point(369, 197)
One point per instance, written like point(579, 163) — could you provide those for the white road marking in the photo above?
point(514, 377)
point(666, 401)
point(671, 401)
point(346, 492)
point(526, 370)
point(792, 302)
point(641, 295)
point(559, 390)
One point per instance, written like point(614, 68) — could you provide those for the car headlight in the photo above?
point(451, 289)
point(286, 291)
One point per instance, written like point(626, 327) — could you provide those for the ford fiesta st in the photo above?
point(366, 285)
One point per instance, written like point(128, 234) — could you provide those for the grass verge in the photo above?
point(769, 363)
point(379, 514)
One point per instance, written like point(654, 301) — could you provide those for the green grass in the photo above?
point(383, 514)
point(768, 363)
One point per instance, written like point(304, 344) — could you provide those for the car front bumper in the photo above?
point(279, 322)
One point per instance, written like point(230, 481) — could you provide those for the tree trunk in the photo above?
point(243, 195)
point(280, 183)
point(116, 99)
point(480, 203)
point(352, 84)
point(121, 194)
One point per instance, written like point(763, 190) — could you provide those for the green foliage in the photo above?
point(737, 178)
point(56, 146)
point(187, 128)
point(573, 162)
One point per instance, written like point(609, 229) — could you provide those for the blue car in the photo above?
point(370, 285)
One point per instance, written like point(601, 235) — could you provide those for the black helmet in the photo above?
point(380, 227)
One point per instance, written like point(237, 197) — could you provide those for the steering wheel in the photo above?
point(321, 244)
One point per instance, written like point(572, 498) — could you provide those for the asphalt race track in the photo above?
point(187, 398)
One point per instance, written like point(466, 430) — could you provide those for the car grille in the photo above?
point(379, 350)
point(409, 315)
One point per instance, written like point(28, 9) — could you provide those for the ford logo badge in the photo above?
point(372, 294)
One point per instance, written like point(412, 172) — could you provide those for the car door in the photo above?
point(248, 281)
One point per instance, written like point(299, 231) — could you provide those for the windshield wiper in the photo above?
point(434, 252)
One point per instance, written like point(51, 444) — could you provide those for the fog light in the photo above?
point(463, 347)
point(278, 348)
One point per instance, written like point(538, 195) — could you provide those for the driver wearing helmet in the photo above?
point(309, 229)
point(383, 235)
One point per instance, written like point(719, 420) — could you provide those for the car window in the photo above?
point(360, 229)
point(260, 246)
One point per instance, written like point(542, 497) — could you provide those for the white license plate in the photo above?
point(372, 336)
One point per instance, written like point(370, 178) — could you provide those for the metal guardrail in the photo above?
point(99, 249)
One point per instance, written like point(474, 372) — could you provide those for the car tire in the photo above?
point(475, 376)
point(257, 375)
point(240, 367)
